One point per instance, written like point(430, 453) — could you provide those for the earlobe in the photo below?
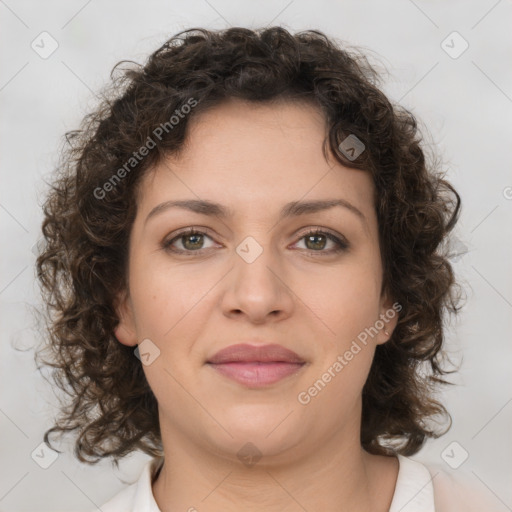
point(125, 331)
point(388, 319)
point(124, 335)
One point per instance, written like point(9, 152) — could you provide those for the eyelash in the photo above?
point(342, 244)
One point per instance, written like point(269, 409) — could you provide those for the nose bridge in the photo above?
point(254, 260)
point(257, 286)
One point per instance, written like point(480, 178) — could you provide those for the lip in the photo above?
point(256, 365)
point(245, 353)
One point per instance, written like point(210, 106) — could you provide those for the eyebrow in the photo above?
point(293, 209)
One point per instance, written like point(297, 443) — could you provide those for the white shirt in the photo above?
point(417, 489)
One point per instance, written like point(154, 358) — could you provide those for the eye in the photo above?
point(191, 239)
point(317, 239)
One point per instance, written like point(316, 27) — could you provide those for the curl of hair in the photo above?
point(91, 206)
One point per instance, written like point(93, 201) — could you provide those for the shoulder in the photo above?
point(122, 501)
point(457, 490)
point(413, 490)
point(138, 496)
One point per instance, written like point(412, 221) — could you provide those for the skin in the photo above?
point(254, 158)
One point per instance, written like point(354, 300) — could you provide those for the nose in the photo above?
point(258, 287)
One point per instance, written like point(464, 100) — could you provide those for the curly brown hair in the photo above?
point(83, 265)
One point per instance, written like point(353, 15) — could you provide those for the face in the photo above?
point(256, 275)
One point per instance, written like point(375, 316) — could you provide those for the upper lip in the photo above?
point(255, 353)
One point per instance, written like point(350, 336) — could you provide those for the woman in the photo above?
point(244, 274)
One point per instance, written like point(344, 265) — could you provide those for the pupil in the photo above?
point(194, 245)
point(312, 237)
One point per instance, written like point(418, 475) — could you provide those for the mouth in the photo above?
point(256, 366)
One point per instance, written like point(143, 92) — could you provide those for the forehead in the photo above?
point(250, 156)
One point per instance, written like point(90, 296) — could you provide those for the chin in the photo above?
point(271, 434)
point(250, 448)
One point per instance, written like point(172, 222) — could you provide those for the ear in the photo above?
point(125, 330)
point(389, 312)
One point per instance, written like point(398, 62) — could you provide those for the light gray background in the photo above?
point(465, 102)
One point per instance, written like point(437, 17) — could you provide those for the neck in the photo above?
point(337, 476)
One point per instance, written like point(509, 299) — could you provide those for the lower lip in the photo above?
point(257, 374)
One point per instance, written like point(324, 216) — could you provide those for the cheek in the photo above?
point(345, 298)
point(161, 296)
point(344, 356)
point(171, 307)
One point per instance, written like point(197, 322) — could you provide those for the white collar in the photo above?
point(414, 491)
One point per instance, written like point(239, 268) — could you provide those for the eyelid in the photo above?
point(342, 243)
point(187, 231)
point(321, 229)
